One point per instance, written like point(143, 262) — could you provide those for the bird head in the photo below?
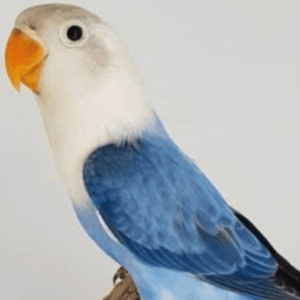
point(86, 85)
point(61, 47)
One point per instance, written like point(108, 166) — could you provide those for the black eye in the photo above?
point(74, 33)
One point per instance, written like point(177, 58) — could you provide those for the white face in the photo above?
point(89, 93)
point(82, 49)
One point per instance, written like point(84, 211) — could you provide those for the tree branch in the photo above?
point(123, 290)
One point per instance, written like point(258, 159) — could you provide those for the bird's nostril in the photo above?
point(32, 27)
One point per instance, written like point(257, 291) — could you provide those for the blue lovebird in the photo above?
point(141, 200)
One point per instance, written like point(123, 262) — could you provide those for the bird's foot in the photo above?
point(123, 290)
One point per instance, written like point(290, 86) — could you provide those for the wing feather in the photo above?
point(162, 208)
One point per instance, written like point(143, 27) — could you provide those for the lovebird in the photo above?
point(137, 195)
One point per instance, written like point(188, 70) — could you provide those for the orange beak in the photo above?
point(24, 59)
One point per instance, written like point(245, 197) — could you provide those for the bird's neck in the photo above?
point(84, 120)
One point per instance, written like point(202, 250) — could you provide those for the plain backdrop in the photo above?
point(225, 78)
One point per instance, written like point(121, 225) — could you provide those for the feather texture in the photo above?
point(164, 210)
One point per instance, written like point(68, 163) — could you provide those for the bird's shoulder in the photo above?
point(152, 168)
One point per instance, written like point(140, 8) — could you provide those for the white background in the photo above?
point(225, 78)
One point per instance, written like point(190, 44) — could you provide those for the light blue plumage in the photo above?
point(141, 200)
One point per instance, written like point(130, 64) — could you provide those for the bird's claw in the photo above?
point(121, 273)
point(123, 290)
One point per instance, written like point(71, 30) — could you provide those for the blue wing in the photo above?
point(161, 207)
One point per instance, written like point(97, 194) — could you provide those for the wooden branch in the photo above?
point(123, 290)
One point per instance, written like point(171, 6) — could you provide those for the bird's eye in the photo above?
point(74, 33)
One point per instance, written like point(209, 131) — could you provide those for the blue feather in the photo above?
point(166, 212)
